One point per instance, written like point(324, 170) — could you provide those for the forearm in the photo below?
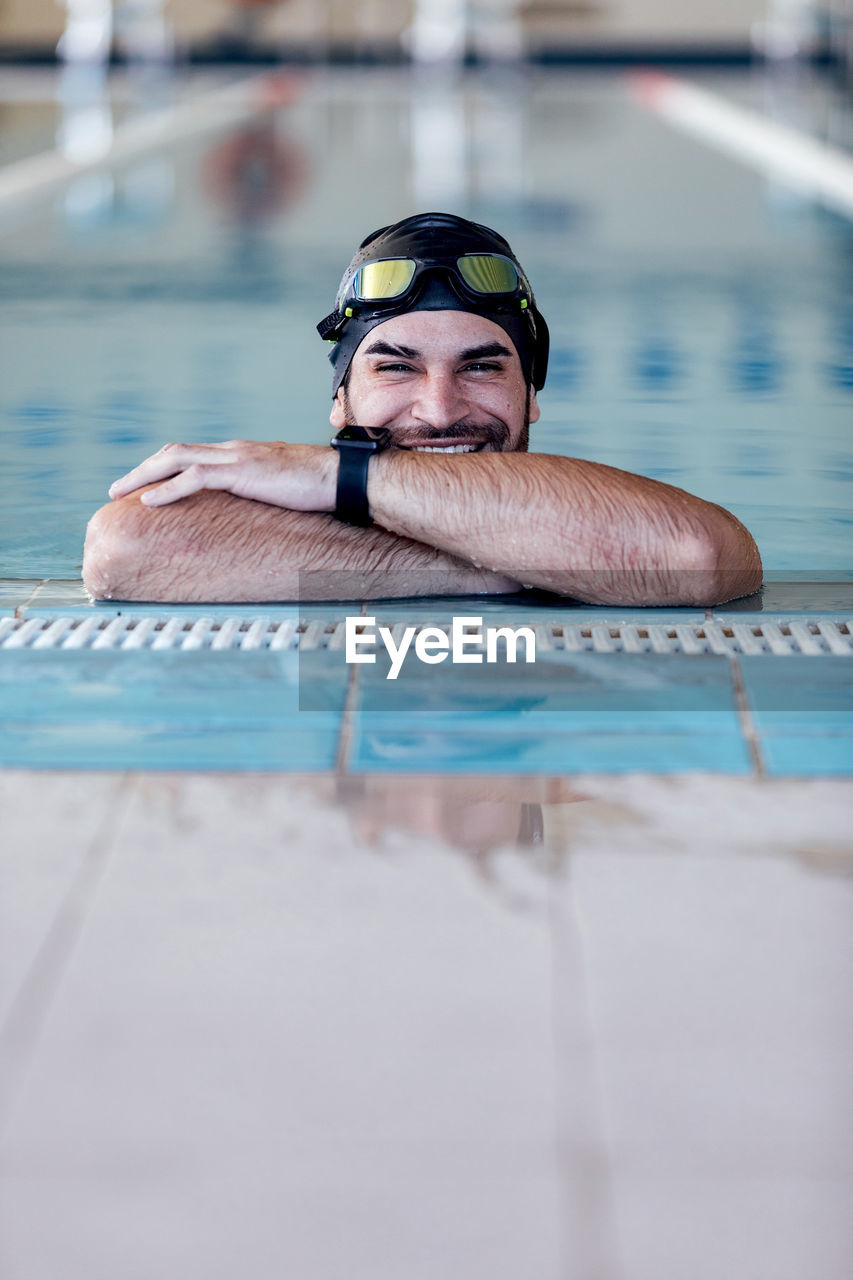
point(578, 528)
point(214, 546)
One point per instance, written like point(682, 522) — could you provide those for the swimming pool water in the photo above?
point(702, 322)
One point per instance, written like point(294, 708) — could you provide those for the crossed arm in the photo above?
point(249, 521)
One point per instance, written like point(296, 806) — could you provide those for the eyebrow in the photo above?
point(386, 349)
point(486, 351)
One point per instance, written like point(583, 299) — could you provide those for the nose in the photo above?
point(439, 402)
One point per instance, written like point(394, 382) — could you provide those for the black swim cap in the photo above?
point(435, 241)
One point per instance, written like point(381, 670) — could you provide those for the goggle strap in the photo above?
point(327, 326)
point(330, 326)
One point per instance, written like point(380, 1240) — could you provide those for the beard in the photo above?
point(494, 434)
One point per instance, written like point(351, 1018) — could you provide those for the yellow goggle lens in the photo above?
point(388, 279)
point(487, 273)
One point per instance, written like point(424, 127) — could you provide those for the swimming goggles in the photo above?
point(484, 279)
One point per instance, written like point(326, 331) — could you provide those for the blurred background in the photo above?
point(396, 29)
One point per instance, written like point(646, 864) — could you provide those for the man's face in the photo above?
point(439, 379)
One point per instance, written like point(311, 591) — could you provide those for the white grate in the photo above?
point(160, 633)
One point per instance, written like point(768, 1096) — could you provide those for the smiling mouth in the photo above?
point(443, 448)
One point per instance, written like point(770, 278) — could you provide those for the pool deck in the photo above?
point(279, 1025)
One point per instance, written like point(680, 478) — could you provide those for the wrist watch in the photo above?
point(356, 446)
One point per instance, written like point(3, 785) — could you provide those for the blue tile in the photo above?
point(813, 755)
point(299, 747)
point(411, 751)
point(206, 688)
point(566, 692)
point(798, 694)
point(172, 710)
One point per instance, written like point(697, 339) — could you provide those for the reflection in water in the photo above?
point(755, 366)
point(476, 815)
point(255, 173)
point(137, 195)
point(840, 369)
point(252, 176)
point(85, 130)
point(543, 820)
point(440, 163)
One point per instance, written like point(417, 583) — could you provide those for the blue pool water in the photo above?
point(702, 321)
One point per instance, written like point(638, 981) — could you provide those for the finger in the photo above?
point(192, 480)
point(167, 462)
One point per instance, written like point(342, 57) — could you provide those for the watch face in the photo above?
point(376, 437)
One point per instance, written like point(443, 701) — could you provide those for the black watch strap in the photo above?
point(356, 446)
point(351, 502)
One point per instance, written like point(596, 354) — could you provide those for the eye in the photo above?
point(483, 366)
point(398, 367)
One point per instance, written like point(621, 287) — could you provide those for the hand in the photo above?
point(301, 477)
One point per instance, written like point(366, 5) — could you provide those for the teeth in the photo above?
point(444, 448)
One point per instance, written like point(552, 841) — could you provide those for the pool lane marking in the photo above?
point(793, 158)
point(218, 109)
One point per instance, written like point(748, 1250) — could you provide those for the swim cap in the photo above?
point(449, 272)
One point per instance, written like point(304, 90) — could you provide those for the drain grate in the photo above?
point(810, 637)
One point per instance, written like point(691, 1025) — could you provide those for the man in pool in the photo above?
point(438, 353)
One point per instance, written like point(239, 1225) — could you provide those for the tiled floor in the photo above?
point(443, 1028)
